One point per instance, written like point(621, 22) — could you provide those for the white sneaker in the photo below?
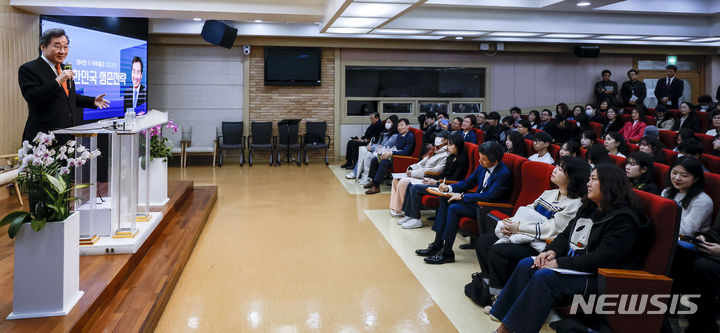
point(393, 213)
point(350, 176)
point(412, 224)
point(403, 220)
point(364, 181)
point(494, 319)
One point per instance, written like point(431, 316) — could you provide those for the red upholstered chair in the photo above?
point(535, 180)
point(712, 188)
point(529, 147)
point(707, 141)
point(524, 116)
point(704, 120)
point(650, 121)
point(431, 201)
point(554, 151)
point(480, 135)
point(652, 279)
point(618, 160)
point(670, 156)
point(711, 162)
point(583, 152)
point(401, 163)
point(675, 113)
point(633, 147)
point(573, 121)
point(668, 138)
point(650, 112)
point(627, 109)
point(660, 175)
point(625, 117)
point(600, 142)
point(597, 128)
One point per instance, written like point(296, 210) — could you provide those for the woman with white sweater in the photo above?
point(366, 153)
point(525, 233)
point(433, 162)
point(687, 186)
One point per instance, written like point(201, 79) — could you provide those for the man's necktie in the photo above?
point(64, 84)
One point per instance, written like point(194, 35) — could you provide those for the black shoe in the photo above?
point(344, 166)
point(440, 258)
point(431, 249)
point(369, 185)
point(468, 246)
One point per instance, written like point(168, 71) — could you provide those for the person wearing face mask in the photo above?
point(633, 91)
point(432, 162)
point(669, 89)
point(705, 104)
point(687, 185)
point(403, 147)
point(592, 115)
point(606, 89)
point(388, 137)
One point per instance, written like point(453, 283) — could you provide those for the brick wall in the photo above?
point(272, 103)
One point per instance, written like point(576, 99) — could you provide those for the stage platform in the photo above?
point(123, 292)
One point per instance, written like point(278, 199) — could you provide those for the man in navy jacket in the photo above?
point(494, 183)
point(405, 144)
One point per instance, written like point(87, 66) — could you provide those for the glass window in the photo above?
point(455, 82)
point(467, 107)
point(361, 108)
point(433, 106)
point(660, 65)
point(397, 107)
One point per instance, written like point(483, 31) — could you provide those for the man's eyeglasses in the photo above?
point(59, 47)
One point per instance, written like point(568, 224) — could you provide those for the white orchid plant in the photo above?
point(45, 174)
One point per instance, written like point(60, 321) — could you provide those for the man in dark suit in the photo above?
point(405, 144)
point(372, 132)
point(633, 91)
point(49, 89)
point(669, 89)
point(606, 89)
point(136, 95)
point(494, 183)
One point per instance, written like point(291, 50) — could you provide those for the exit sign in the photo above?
point(671, 60)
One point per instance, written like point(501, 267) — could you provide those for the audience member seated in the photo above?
point(372, 132)
point(524, 234)
point(669, 89)
point(591, 114)
point(445, 125)
point(515, 144)
point(494, 183)
point(693, 148)
point(596, 155)
point(467, 132)
point(456, 125)
point(404, 147)
point(639, 169)
point(541, 143)
point(653, 147)
point(697, 271)
point(534, 118)
point(456, 167)
point(545, 119)
point(606, 89)
point(432, 162)
point(615, 144)
point(652, 131)
point(570, 148)
point(663, 119)
point(684, 134)
point(582, 122)
point(444, 115)
point(705, 104)
point(506, 126)
point(633, 91)
point(634, 129)
point(562, 109)
point(493, 129)
point(614, 122)
point(480, 121)
point(687, 185)
point(716, 145)
point(577, 109)
point(525, 129)
point(606, 233)
point(715, 125)
point(388, 138)
point(588, 139)
point(603, 107)
point(687, 119)
point(431, 128)
point(516, 115)
point(562, 130)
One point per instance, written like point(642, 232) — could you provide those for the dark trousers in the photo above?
point(447, 219)
point(351, 151)
point(378, 169)
point(531, 294)
point(698, 273)
point(412, 203)
point(498, 261)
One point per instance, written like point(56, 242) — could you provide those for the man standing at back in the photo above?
point(48, 87)
point(606, 89)
point(669, 89)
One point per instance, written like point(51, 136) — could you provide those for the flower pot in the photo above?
point(47, 269)
point(158, 183)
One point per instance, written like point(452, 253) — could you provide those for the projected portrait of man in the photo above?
point(136, 96)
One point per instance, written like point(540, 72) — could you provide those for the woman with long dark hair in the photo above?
point(534, 118)
point(615, 144)
point(687, 186)
point(687, 118)
point(614, 122)
point(515, 144)
point(634, 129)
point(653, 146)
point(605, 233)
point(588, 139)
point(639, 169)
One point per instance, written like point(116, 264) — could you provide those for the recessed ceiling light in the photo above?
point(667, 38)
point(458, 37)
point(357, 22)
point(457, 33)
point(399, 31)
point(513, 34)
point(197, 19)
point(348, 30)
point(384, 10)
point(567, 35)
point(706, 40)
point(583, 3)
point(619, 37)
point(258, 21)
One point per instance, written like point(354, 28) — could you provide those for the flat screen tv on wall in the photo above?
point(292, 66)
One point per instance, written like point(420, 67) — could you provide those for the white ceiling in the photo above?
point(652, 22)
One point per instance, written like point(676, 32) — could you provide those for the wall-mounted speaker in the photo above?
point(218, 33)
point(587, 51)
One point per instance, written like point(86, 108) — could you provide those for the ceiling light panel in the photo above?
point(357, 22)
point(348, 30)
point(706, 40)
point(667, 38)
point(400, 31)
point(364, 9)
point(457, 33)
point(513, 34)
point(619, 37)
point(567, 35)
